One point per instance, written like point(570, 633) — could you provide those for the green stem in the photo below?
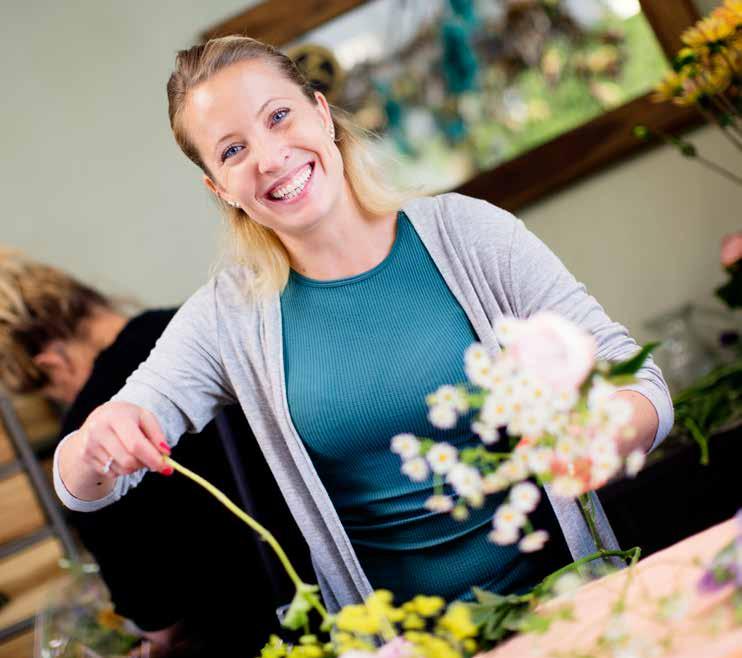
point(700, 438)
point(264, 533)
point(546, 583)
point(587, 511)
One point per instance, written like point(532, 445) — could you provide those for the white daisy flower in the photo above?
point(465, 480)
point(479, 374)
point(416, 469)
point(442, 457)
point(507, 330)
point(600, 392)
point(406, 445)
point(439, 503)
point(539, 460)
point(487, 433)
point(451, 396)
point(508, 516)
point(525, 497)
point(533, 422)
point(513, 469)
point(443, 416)
point(565, 486)
point(603, 449)
point(476, 355)
point(634, 463)
point(566, 448)
point(564, 399)
point(494, 482)
point(504, 535)
point(603, 470)
point(495, 412)
point(533, 541)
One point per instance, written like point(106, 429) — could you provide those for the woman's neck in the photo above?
point(351, 243)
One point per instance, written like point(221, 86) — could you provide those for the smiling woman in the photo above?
point(346, 307)
point(304, 153)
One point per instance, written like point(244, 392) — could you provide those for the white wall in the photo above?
point(92, 181)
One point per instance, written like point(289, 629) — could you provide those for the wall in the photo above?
point(92, 181)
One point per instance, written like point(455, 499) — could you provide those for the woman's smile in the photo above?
point(294, 187)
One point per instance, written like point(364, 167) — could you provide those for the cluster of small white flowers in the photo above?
point(531, 389)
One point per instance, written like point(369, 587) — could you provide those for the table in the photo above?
point(664, 572)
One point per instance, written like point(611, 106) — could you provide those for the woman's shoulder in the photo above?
point(461, 217)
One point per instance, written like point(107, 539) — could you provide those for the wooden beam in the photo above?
point(669, 19)
point(279, 23)
point(577, 153)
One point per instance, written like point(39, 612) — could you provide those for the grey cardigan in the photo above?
point(221, 347)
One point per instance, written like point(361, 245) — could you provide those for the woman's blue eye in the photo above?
point(230, 151)
point(278, 116)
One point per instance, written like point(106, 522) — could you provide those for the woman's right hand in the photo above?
point(124, 437)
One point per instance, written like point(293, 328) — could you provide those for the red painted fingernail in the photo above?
point(168, 470)
point(164, 447)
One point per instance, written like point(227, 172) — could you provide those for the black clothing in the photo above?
point(168, 550)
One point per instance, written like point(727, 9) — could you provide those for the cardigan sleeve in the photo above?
point(183, 383)
point(540, 281)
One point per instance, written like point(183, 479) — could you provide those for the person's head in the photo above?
point(276, 155)
point(45, 345)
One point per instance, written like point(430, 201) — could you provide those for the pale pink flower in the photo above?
point(554, 350)
point(442, 457)
point(567, 487)
point(488, 433)
point(525, 496)
point(406, 445)
point(533, 541)
point(634, 462)
point(396, 648)
point(494, 482)
point(509, 516)
point(416, 469)
point(443, 416)
point(731, 249)
point(503, 536)
point(439, 503)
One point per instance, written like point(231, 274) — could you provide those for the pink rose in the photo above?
point(554, 350)
point(396, 648)
point(731, 249)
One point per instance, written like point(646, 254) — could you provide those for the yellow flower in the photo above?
point(426, 606)
point(457, 621)
point(379, 605)
point(355, 619)
point(668, 88)
point(734, 9)
point(413, 622)
point(431, 646)
point(716, 77)
point(710, 30)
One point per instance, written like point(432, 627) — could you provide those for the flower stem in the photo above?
point(263, 532)
point(587, 511)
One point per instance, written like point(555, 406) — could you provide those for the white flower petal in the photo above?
point(533, 541)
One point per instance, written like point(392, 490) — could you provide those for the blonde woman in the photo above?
point(345, 307)
point(69, 342)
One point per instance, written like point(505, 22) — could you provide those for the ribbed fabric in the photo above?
point(360, 355)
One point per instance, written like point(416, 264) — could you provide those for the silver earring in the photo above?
point(332, 132)
point(234, 204)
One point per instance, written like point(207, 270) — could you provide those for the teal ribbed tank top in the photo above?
point(360, 356)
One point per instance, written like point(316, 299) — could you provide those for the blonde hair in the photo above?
point(38, 304)
point(252, 244)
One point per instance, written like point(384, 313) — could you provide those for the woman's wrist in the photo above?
point(79, 478)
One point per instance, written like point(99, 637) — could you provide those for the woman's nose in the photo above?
point(271, 157)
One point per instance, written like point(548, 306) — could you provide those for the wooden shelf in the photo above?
point(28, 578)
point(21, 646)
point(19, 508)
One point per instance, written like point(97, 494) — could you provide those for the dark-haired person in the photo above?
point(177, 563)
point(346, 305)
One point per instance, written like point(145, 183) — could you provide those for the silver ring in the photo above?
point(107, 465)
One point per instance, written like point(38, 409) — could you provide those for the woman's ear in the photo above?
point(214, 189)
point(53, 359)
point(323, 107)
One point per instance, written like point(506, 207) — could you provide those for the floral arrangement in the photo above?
point(549, 394)
point(551, 406)
point(707, 74)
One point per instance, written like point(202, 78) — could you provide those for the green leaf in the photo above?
point(533, 623)
point(632, 365)
point(297, 615)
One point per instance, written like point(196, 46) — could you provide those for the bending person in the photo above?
point(173, 558)
point(347, 305)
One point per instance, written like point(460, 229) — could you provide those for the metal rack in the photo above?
point(55, 525)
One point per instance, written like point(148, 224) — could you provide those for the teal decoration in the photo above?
point(453, 127)
point(459, 62)
point(463, 9)
point(394, 111)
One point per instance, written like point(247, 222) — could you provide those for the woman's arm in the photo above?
point(540, 281)
point(179, 388)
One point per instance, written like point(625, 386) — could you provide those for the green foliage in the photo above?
point(632, 365)
point(298, 613)
point(710, 404)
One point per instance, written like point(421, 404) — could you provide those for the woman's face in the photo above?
point(267, 146)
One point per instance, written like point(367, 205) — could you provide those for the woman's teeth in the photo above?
point(294, 187)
